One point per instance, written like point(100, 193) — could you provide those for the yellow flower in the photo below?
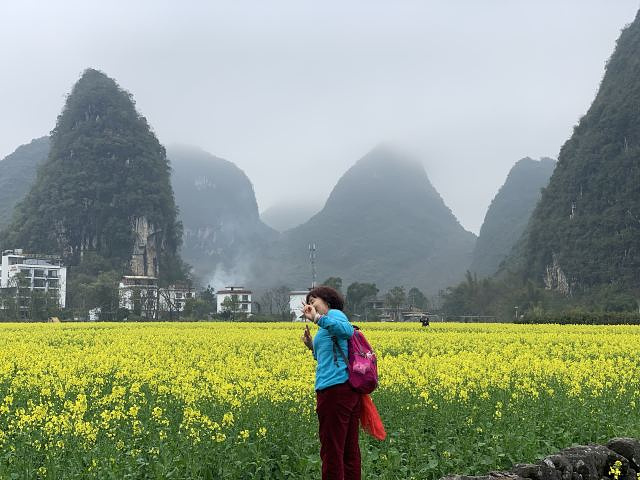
point(614, 470)
point(227, 419)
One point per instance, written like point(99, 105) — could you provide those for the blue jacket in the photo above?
point(336, 324)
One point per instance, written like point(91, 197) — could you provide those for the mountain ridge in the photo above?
point(17, 174)
point(509, 213)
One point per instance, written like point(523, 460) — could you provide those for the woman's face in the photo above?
point(320, 305)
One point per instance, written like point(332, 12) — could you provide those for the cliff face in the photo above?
point(144, 257)
point(105, 187)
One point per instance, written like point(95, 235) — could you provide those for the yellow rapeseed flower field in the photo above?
point(236, 400)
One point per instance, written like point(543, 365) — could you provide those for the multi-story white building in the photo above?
point(236, 295)
point(139, 294)
point(38, 272)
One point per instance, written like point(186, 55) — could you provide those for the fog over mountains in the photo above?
point(383, 222)
point(287, 215)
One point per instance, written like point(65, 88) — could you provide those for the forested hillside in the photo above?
point(585, 231)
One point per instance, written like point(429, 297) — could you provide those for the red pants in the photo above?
point(338, 409)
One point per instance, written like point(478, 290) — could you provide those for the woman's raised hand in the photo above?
point(308, 311)
point(306, 338)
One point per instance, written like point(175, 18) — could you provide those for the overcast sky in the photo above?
point(286, 89)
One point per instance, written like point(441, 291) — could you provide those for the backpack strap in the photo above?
point(336, 346)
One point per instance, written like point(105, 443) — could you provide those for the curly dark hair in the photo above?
point(329, 295)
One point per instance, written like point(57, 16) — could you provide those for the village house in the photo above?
point(174, 297)
point(237, 298)
point(139, 294)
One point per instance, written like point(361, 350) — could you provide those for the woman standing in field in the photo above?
point(338, 406)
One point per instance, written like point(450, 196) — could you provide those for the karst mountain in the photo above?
point(509, 213)
point(104, 189)
point(383, 222)
point(585, 231)
point(218, 209)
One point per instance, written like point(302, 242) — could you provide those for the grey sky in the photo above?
point(286, 89)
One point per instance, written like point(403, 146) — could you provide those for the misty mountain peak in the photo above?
point(384, 176)
point(383, 222)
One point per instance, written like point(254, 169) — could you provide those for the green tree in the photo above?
point(417, 299)
point(266, 301)
point(357, 294)
point(208, 296)
point(88, 291)
point(196, 308)
point(230, 307)
point(333, 282)
point(9, 306)
point(395, 299)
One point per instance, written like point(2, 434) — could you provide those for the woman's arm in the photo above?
point(337, 323)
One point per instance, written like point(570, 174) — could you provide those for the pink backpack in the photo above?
point(362, 362)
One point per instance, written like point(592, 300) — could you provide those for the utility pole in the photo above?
point(312, 259)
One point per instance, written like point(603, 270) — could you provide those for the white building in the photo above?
point(139, 294)
point(296, 298)
point(43, 273)
point(174, 297)
point(238, 295)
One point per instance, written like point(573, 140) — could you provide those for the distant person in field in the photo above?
point(338, 406)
